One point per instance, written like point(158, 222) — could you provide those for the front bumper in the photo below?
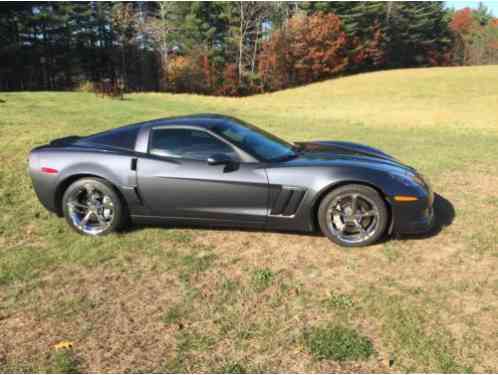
point(414, 217)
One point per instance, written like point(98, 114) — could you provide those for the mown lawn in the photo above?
point(181, 300)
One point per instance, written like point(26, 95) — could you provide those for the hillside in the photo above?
point(451, 101)
point(198, 300)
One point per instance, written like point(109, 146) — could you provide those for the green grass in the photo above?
point(262, 279)
point(64, 362)
point(199, 300)
point(232, 368)
point(338, 343)
point(195, 263)
point(174, 314)
point(57, 362)
point(339, 301)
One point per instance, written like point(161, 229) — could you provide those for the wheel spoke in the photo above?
point(84, 221)
point(101, 220)
point(369, 213)
point(354, 203)
point(336, 211)
point(362, 230)
point(78, 205)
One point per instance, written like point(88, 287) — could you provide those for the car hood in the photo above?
point(325, 152)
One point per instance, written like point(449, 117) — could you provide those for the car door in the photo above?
point(176, 181)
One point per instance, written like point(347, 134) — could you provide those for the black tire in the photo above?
point(119, 212)
point(377, 216)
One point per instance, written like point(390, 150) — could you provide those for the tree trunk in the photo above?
point(241, 40)
point(123, 66)
point(164, 69)
point(255, 51)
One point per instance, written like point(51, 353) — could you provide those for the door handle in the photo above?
point(133, 165)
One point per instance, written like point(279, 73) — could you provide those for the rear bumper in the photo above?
point(414, 217)
point(43, 184)
point(45, 190)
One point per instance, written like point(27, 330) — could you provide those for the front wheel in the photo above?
point(91, 206)
point(353, 216)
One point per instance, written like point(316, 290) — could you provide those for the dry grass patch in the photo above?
point(180, 300)
point(201, 298)
point(110, 317)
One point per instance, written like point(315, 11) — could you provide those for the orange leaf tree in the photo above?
point(310, 48)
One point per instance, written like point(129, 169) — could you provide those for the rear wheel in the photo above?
point(353, 216)
point(91, 206)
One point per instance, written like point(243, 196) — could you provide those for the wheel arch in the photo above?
point(326, 190)
point(68, 180)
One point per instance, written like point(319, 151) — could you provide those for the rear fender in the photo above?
point(91, 169)
point(71, 165)
point(122, 179)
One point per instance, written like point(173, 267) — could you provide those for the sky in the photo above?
point(492, 5)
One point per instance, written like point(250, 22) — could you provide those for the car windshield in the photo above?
point(255, 141)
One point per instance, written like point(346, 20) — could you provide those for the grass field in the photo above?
point(180, 299)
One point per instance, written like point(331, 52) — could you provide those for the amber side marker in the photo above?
point(405, 198)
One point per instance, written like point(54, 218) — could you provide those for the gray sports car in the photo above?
point(218, 170)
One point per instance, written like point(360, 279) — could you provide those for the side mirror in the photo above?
point(220, 159)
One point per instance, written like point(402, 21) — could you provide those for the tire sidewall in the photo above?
point(369, 192)
point(105, 188)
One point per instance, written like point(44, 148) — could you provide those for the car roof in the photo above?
point(202, 120)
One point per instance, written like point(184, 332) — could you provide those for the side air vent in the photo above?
point(286, 200)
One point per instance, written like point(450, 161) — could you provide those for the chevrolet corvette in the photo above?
point(217, 170)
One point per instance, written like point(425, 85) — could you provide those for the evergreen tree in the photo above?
point(217, 47)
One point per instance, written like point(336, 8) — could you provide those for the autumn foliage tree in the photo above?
point(275, 63)
point(318, 47)
point(462, 21)
point(232, 47)
point(311, 48)
point(190, 73)
point(476, 33)
point(368, 53)
point(230, 86)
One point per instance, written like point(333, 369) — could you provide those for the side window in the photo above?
point(188, 144)
point(122, 137)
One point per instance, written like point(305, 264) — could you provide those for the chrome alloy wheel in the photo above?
point(90, 209)
point(352, 217)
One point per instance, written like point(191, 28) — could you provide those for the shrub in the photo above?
point(338, 343)
point(230, 85)
point(188, 74)
point(85, 86)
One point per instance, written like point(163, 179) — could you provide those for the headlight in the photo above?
point(419, 179)
point(409, 179)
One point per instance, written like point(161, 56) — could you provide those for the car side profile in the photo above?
point(218, 170)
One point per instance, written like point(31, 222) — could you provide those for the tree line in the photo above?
point(230, 48)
